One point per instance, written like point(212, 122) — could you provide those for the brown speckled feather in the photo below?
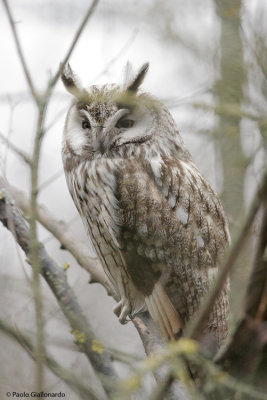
point(156, 224)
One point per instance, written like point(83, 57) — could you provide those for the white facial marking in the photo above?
point(74, 132)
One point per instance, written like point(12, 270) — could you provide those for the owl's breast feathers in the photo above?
point(162, 224)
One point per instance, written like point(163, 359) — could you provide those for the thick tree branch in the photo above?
point(142, 322)
point(67, 240)
point(148, 332)
point(56, 279)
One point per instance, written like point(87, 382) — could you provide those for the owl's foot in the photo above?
point(122, 310)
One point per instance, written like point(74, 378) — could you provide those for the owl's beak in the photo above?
point(102, 147)
point(104, 138)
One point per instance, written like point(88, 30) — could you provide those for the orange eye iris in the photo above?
point(86, 125)
point(125, 123)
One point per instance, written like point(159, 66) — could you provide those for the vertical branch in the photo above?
point(19, 50)
point(42, 102)
point(229, 90)
point(35, 251)
point(229, 93)
point(72, 46)
point(56, 278)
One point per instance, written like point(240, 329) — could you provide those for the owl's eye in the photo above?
point(86, 125)
point(125, 123)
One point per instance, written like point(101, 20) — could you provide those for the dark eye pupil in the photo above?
point(86, 125)
point(125, 123)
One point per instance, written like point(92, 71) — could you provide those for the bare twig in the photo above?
point(256, 299)
point(42, 102)
point(73, 381)
point(117, 56)
point(72, 46)
point(245, 356)
point(51, 179)
point(35, 250)
point(19, 49)
point(56, 118)
point(148, 332)
point(57, 281)
point(68, 241)
point(15, 149)
point(105, 69)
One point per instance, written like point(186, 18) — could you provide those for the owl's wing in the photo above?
point(172, 229)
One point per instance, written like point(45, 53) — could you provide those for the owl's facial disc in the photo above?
point(106, 126)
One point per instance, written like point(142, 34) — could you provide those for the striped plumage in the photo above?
point(156, 224)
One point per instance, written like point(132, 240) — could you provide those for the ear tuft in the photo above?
point(137, 81)
point(70, 81)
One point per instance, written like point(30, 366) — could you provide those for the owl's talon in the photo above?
point(124, 313)
point(117, 308)
point(122, 310)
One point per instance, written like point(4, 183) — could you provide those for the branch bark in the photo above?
point(20, 52)
point(42, 101)
point(56, 279)
point(142, 322)
point(147, 331)
point(67, 240)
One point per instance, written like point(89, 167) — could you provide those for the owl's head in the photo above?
point(103, 119)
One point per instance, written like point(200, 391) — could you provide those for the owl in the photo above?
point(156, 224)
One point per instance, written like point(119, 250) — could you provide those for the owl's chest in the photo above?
point(93, 189)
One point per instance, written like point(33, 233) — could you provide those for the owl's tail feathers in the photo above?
point(163, 313)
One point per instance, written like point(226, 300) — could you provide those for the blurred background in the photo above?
point(208, 63)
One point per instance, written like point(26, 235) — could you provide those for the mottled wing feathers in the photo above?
point(159, 231)
point(173, 231)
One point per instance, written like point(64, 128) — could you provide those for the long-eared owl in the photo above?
point(156, 224)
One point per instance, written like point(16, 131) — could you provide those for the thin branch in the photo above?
point(245, 356)
point(56, 118)
point(256, 298)
point(232, 110)
point(20, 52)
point(117, 56)
point(73, 381)
point(67, 240)
point(72, 46)
point(148, 332)
point(143, 323)
point(35, 250)
point(24, 156)
point(105, 69)
point(42, 103)
point(56, 279)
point(51, 179)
